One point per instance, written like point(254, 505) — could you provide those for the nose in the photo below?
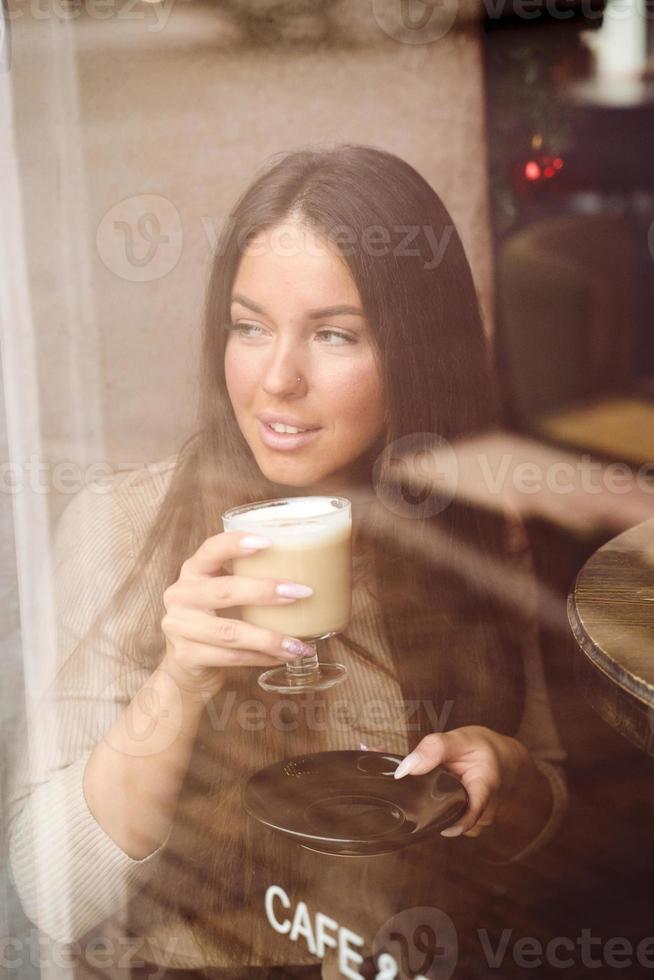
point(281, 373)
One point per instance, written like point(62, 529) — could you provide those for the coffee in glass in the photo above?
point(312, 545)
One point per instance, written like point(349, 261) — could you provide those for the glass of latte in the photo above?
point(312, 545)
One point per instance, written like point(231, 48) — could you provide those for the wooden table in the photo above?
point(611, 611)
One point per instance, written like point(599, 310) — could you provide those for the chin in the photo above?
point(287, 474)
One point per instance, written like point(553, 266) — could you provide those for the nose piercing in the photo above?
point(299, 378)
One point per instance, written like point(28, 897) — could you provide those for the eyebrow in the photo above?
point(341, 310)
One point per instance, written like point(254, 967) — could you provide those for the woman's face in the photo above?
point(289, 321)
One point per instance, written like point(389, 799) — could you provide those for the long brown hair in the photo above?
point(446, 629)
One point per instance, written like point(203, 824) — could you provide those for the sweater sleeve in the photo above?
point(68, 873)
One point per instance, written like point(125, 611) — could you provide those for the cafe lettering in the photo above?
point(318, 935)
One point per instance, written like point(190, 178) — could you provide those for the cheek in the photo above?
point(239, 378)
point(357, 397)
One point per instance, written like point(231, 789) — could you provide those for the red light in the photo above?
point(532, 170)
point(549, 171)
point(558, 163)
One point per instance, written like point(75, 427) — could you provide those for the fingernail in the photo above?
point(255, 541)
point(452, 831)
point(298, 648)
point(407, 765)
point(289, 590)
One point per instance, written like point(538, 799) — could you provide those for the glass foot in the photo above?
point(288, 682)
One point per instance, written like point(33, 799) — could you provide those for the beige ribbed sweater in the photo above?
point(70, 875)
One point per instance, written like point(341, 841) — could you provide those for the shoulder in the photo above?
point(121, 502)
point(142, 487)
point(137, 493)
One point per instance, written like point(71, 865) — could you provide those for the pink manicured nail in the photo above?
point(297, 648)
point(289, 590)
point(452, 831)
point(407, 765)
point(255, 541)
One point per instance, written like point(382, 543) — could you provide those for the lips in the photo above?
point(275, 426)
point(268, 417)
point(285, 440)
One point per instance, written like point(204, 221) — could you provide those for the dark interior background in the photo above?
point(572, 190)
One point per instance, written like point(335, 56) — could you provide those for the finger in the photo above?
point(490, 813)
point(252, 658)
point(201, 627)
point(220, 548)
point(486, 819)
point(434, 749)
point(480, 790)
point(211, 656)
point(225, 591)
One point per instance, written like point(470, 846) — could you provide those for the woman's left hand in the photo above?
point(487, 763)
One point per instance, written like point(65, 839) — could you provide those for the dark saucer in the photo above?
point(349, 803)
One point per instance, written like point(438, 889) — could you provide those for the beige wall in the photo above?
point(184, 115)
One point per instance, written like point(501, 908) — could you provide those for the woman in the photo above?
point(340, 300)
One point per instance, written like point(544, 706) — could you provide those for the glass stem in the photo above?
point(304, 667)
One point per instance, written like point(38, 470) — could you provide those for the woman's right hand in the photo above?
point(200, 643)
